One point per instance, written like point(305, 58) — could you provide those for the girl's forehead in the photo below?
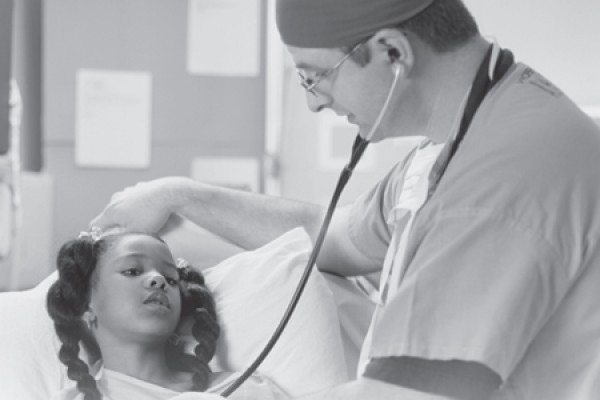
point(137, 245)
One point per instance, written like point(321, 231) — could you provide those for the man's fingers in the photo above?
point(113, 230)
point(104, 223)
point(106, 228)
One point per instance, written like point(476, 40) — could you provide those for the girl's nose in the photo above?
point(156, 281)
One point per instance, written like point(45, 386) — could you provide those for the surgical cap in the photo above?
point(337, 23)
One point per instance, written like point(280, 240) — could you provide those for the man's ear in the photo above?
point(393, 47)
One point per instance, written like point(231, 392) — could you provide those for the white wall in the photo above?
point(192, 115)
point(558, 38)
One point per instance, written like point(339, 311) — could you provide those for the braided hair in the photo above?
point(69, 297)
point(197, 304)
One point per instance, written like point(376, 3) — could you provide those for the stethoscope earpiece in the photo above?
point(394, 55)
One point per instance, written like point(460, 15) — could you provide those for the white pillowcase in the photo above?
point(251, 290)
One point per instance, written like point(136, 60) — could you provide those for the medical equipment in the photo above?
point(358, 148)
point(10, 117)
point(10, 180)
point(493, 67)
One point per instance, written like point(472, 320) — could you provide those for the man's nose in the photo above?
point(318, 101)
point(156, 281)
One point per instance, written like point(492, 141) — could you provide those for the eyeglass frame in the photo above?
point(309, 84)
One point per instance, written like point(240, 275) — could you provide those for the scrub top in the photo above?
point(502, 261)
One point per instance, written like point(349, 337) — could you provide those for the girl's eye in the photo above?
point(132, 272)
point(171, 281)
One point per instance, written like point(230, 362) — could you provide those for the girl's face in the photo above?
point(135, 294)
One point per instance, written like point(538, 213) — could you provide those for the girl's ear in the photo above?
point(90, 319)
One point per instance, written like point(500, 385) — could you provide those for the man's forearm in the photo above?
point(246, 219)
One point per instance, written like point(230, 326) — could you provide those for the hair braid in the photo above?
point(77, 369)
point(199, 304)
point(67, 300)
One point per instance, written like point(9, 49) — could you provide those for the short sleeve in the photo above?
point(477, 288)
point(369, 230)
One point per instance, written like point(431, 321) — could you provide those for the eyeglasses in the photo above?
point(309, 84)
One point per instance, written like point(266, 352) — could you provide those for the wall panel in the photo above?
point(192, 115)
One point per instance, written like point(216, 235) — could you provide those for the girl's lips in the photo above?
point(159, 298)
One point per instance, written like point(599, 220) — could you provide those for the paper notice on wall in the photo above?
point(235, 172)
point(223, 37)
point(113, 119)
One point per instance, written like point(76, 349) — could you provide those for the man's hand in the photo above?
point(145, 207)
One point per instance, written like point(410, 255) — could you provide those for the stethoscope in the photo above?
point(494, 66)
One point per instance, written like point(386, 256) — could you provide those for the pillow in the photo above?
point(29, 364)
point(251, 290)
point(355, 309)
point(353, 304)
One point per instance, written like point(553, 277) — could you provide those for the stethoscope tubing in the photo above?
point(358, 148)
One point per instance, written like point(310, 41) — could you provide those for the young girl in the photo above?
point(122, 297)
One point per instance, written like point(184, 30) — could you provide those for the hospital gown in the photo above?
point(117, 386)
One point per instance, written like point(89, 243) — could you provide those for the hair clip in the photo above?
point(182, 263)
point(95, 234)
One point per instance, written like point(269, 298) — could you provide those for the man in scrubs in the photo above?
point(485, 236)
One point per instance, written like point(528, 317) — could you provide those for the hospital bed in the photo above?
point(319, 348)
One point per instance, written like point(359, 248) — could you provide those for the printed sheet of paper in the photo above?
point(224, 37)
point(113, 119)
